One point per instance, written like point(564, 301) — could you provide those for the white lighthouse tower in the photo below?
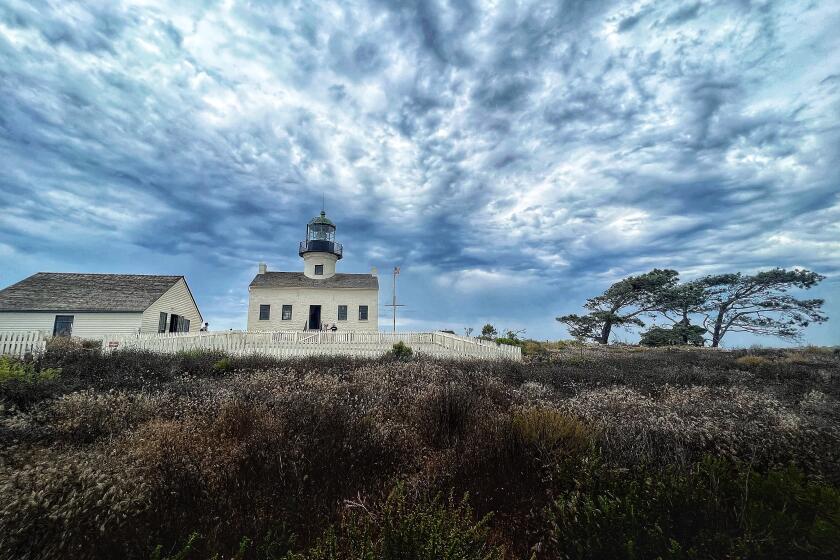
point(320, 250)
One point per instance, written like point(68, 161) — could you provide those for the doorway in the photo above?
point(314, 317)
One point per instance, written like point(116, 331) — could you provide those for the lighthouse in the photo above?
point(318, 297)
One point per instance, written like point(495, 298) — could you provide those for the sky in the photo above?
point(513, 158)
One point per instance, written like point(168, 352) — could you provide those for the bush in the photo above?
point(716, 510)
point(509, 341)
point(549, 431)
point(198, 362)
point(752, 362)
point(443, 414)
point(534, 350)
point(12, 369)
point(400, 352)
point(675, 336)
point(223, 366)
point(405, 529)
point(25, 383)
point(62, 505)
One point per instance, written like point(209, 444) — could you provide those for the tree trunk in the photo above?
point(685, 323)
point(716, 335)
point(605, 332)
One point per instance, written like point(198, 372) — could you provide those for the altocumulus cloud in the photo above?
point(514, 158)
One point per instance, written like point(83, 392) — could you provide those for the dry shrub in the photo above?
point(443, 414)
point(65, 505)
point(84, 416)
point(407, 528)
point(551, 431)
point(294, 464)
point(234, 454)
point(681, 424)
point(752, 362)
point(510, 461)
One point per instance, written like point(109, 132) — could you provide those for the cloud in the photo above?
point(513, 158)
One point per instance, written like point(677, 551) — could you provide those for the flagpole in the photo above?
point(394, 298)
point(394, 303)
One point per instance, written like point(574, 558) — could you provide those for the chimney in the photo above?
point(373, 271)
point(262, 268)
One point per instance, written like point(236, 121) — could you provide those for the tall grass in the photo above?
point(583, 453)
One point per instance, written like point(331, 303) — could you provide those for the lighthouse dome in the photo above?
point(322, 219)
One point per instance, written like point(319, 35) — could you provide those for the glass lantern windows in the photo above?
point(320, 232)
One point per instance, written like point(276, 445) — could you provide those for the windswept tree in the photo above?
point(759, 303)
point(677, 304)
point(621, 305)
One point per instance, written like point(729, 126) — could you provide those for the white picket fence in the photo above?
point(20, 343)
point(309, 343)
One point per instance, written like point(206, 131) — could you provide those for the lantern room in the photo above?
point(320, 237)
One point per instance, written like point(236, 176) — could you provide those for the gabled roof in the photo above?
point(299, 280)
point(60, 291)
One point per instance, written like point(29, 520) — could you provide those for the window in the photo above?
point(63, 325)
point(342, 312)
point(363, 313)
point(186, 325)
point(265, 312)
point(319, 270)
point(287, 313)
point(162, 322)
point(174, 321)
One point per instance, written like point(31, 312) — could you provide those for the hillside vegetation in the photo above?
point(582, 452)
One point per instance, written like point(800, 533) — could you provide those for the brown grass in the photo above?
point(117, 468)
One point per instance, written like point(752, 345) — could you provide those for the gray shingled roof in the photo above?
point(59, 291)
point(299, 280)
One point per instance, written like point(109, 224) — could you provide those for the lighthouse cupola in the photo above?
point(320, 250)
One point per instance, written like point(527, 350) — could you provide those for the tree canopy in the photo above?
point(620, 305)
point(759, 303)
point(489, 331)
point(754, 303)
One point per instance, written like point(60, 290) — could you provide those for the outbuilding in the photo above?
point(94, 305)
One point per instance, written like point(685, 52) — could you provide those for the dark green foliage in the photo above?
point(223, 366)
point(489, 331)
point(509, 341)
point(182, 554)
point(400, 352)
point(13, 369)
point(677, 335)
point(407, 529)
point(713, 510)
point(511, 338)
point(23, 382)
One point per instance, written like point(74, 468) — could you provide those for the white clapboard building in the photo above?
point(94, 305)
point(319, 298)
